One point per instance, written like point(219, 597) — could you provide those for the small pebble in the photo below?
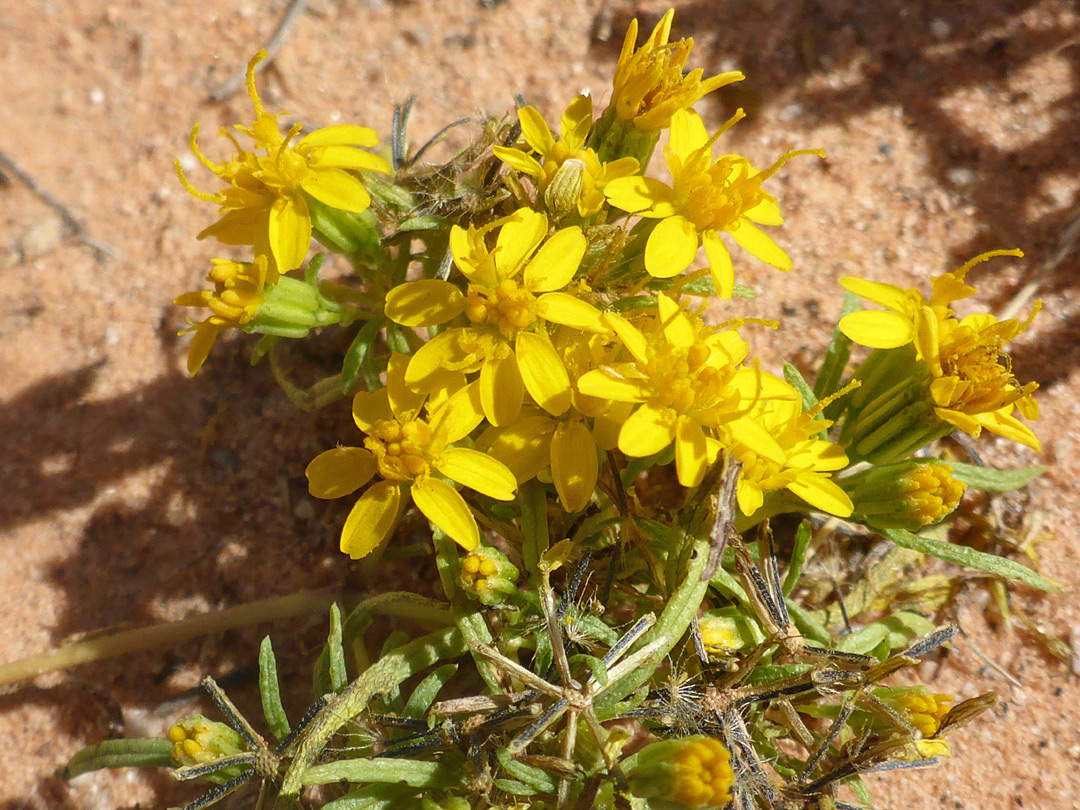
point(1074, 642)
point(939, 28)
point(97, 96)
point(41, 237)
point(960, 176)
point(789, 112)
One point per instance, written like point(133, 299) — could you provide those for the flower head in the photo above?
point(265, 201)
point(410, 450)
point(487, 575)
point(706, 197)
point(778, 445)
point(568, 175)
point(513, 289)
point(680, 372)
point(651, 83)
point(907, 495)
point(972, 385)
point(692, 772)
point(238, 292)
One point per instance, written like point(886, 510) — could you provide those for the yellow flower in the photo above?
point(234, 301)
point(513, 288)
point(775, 442)
point(651, 84)
point(972, 383)
point(907, 495)
point(681, 373)
point(690, 772)
point(536, 441)
point(407, 450)
point(706, 197)
point(265, 202)
point(568, 176)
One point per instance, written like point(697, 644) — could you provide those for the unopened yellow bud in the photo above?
point(905, 495)
point(488, 576)
point(198, 741)
point(692, 772)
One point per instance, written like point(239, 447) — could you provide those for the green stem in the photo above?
point(534, 526)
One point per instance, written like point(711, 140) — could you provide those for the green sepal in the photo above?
point(990, 480)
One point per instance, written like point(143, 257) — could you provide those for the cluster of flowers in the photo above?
point(558, 334)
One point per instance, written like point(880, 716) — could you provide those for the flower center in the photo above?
point(506, 309)
point(975, 358)
point(403, 450)
point(682, 379)
point(716, 196)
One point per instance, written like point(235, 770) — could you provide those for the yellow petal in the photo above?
point(516, 159)
point(671, 247)
point(648, 431)
point(630, 336)
point(502, 391)
point(723, 273)
point(576, 123)
point(887, 295)
point(543, 372)
point(623, 167)
point(554, 265)
point(644, 196)
point(766, 212)
point(518, 238)
point(201, 344)
point(607, 425)
point(371, 407)
point(822, 493)
point(340, 135)
point(877, 329)
point(1008, 426)
point(690, 452)
point(608, 383)
point(574, 466)
point(337, 189)
point(524, 447)
point(445, 353)
point(678, 330)
point(345, 157)
point(749, 432)
point(749, 496)
point(404, 401)
point(290, 231)
point(569, 310)
point(443, 506)
point(757, 243)
point(461, 414)
point(478, 471)
point(424, 302)
point(372, 519)
point(536, 131)
point(687, 134)
point(339, 472)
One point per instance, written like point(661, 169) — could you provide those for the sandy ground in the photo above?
point(129, 493)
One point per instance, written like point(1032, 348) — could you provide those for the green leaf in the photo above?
point(536, 779)
point(424, 223)
point(858, 787)
point(338, 674)
point(991, 480)
point(596, 666)
point(864, 640)
point(905, 626)
point(413, 772)
point(768, 673)
point(379, 796)
point(962, 555)
point(807, 624)
point(270, 692)
point(798, 557)
point(795, 380)
point(263, 347)
point(835, 361)
point(358, 356)
point(152, 752)
point(424, 694)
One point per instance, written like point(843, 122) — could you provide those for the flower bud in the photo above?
point(690, 772)
point(563, 192)
point(905, 495)
point(199, 741)
point(892, 415)
point(488, 576)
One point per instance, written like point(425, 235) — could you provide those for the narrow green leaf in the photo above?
point(270, 692)
point(596, 666)
point(538, 780)
point(379, 796)
point(768, 673)
point(359, 354)
point(962, 555)
point(798, 557)
point(424, 694)
point(795, 379)
point(338, 674)
point(424, 223)
point(514, 787)
point(413, 772)
point(807, 624)
point(263, 347)
point(835, 360)
point(991, 480)
point(859, 788)
point(149, 752)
